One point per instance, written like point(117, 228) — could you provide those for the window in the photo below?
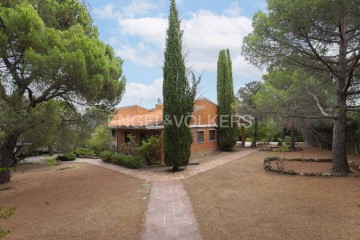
point(212, 133)
point(127, 137)
point(200, 137)
point(113, 133)
point(143, 136)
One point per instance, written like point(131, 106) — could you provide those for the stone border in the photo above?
point(277, 149)
point(269, 168)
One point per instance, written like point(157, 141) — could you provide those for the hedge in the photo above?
point(127, 161)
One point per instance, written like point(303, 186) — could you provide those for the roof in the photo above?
point(139, 117)
point(151, 118)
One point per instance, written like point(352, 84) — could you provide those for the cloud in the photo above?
point(142, 39)
point(151, 30)
point(106, 12)
point(205, 40)
point(234, 10)
point(139, 92)
point(141, 54)
point(134, 9)
point(138, 8)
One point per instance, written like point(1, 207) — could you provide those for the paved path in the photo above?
point(165, 173)
point(170, 214)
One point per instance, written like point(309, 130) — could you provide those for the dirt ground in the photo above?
point(211, 156)
point(240, 200)
point(73, 201)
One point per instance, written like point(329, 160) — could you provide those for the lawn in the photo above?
point(240, 200)
point(74, 201)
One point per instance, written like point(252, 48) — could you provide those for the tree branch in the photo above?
point(351, 73)
point(318, 56)
point(319, 105)
point(3, 94)
point(353, 92)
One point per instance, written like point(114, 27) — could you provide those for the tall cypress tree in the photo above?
point(178, 97)
point(227, 127)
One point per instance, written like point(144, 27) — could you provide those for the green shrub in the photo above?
point(51, 161)
point(83, 152)
point(150, 149)
point(131, 147)
point(66, 157)
point(287, 140)
point(106, 155)
point(100, 139)
point(127, 161)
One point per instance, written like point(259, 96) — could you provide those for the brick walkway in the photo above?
point(170, 214)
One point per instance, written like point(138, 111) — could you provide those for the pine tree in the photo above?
point(178, 97)
point(227, 127)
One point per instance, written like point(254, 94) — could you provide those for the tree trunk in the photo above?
point(243, 136)
point(7, 156)
point(50, 149)
point(283, 132)
point(339, 161)
point(292, 144)
point(253, 144)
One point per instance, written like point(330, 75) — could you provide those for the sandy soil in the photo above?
point(241, 201)
point(211, 156)
point(73, 201)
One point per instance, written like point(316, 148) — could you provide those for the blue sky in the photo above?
point(136, 30)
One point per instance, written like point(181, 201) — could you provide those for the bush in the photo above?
point(66, 157)
point(83, 152)
point(106, 155)
point(127, 161)
point(287, 140)
point(151, 149)
point(131, 147)
point(50, 161)
point(100, 139)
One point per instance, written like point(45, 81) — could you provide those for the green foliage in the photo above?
point(268, 128)
point(131, 147)
point(316, 38)
point(100, 139)
point(47, 118)
point(127, 161)
point(287, 140)
point(51, 161)
point(227, 127)
point(150, 149)
point(284, 148)
point(2, 135)
point(106, 155)
point(5, 214)
point(66, 157)
point(83, 152)
point(57, 54)
point(178, 96)
point(246, 96)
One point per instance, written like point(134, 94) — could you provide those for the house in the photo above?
point(141, 123)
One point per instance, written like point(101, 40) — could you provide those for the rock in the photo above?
point(290, 172)
point(327, 175)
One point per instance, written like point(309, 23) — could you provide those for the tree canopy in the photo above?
point(227, 125)
point(318, 37)
point(178, 94)
point(50, 50)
